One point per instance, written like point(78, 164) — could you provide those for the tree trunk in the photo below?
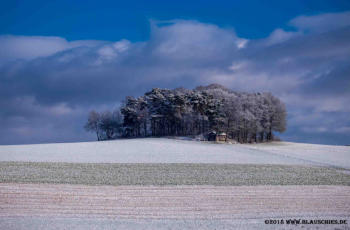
point(98, 136)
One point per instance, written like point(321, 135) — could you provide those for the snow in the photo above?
point(169, 207)
point(162, 150)
point(337, 156)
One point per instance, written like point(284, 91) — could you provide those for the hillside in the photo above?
point(162, 150)
point(159, 183)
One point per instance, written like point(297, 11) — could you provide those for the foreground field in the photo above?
point(161, 150)
point(175, 207)
point(158, 183)
point(171, 174)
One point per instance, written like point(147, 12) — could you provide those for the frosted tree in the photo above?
point(110, 124)
point(93, 124)
point(245, 117)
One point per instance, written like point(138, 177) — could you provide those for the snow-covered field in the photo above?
point(48, 206)
point(162, 150)
point(282, 179)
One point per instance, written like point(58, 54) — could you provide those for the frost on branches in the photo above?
point(244, 117)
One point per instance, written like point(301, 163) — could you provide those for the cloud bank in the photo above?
point(49, 84)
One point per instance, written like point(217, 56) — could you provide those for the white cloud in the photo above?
point(191, 39)
point(279, 36)
point(242, 43)
point(111, 51)
point(30, 47)
point(297, 66)
point(322, 22)
point(238, 65)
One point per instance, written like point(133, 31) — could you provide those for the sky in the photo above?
point(61, 59)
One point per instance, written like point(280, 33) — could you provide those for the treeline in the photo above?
point(244, 117)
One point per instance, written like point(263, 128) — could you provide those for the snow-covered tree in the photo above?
point(245, 117)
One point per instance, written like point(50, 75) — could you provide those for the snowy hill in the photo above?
point(162, 150)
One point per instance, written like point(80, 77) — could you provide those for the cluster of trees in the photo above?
point(245, 117)
point(106, 125)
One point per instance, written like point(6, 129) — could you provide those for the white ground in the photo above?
point(54, 223)
point(49, 206)
point(162, 150)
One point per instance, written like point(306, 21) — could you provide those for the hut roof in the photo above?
point(157, 115)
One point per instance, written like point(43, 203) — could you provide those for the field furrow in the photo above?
point(172, 201)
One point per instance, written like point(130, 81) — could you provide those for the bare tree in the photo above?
point(93, 124)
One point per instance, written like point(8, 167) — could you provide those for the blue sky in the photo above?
point(115, 20)
point(59, 59)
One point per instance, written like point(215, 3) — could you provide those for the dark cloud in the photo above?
point(49, 84)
